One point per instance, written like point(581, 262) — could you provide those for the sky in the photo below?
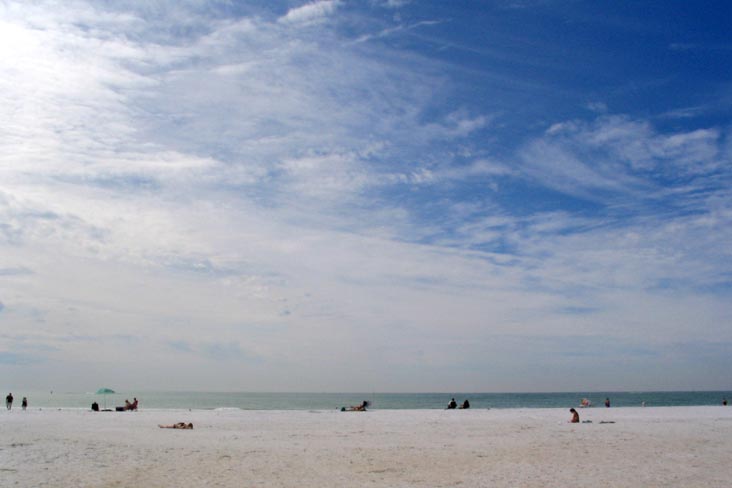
point(374, 195)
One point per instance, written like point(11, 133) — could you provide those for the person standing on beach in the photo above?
point(9, 401)
point(724, 402)
point(607, 402)
point(24, 403)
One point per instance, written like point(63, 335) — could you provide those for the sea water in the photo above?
point(327, 401)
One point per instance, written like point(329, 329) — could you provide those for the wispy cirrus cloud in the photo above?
point(617, 155)
point(310, 12)
point(399, 28)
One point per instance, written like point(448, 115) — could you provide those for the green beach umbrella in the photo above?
point(105, 392)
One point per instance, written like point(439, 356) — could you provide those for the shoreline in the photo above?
point(389, 401)
point(579, 408)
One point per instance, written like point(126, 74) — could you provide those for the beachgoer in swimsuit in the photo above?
point(452, 404)
point(356, 408)
point(575, 416)
point(179, 425)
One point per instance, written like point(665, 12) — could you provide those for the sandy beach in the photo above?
point(664, 446)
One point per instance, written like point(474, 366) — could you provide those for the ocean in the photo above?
point(328, 401)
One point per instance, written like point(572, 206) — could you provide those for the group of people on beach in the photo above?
point(9, 402)
point(584, 403)
point(128, 406)
point(453, 405)
point(362, 408)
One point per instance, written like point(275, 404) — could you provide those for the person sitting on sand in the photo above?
point(575, 416)
point(133, 405)
point(128, 405)
point(585, 403)
point(452, 404)
point(95, 407)
point(356, 408)
point(179, 425)
point(466, 404)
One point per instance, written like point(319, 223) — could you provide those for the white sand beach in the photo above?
point(645, 447)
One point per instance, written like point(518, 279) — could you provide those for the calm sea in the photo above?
point(326, 401)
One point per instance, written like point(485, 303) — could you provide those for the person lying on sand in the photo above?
point(356, 408)
point(179, 425)
point(575, 416)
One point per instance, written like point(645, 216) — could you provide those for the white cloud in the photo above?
point(597, 106)
point(190, 181)
point(619, 155)
point(310, 12)
point(395, 3)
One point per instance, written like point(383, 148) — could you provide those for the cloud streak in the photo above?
point(310, 12)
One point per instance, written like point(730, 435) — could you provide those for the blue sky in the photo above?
point(365, 196)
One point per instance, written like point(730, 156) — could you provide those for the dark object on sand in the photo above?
point(95, 407)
